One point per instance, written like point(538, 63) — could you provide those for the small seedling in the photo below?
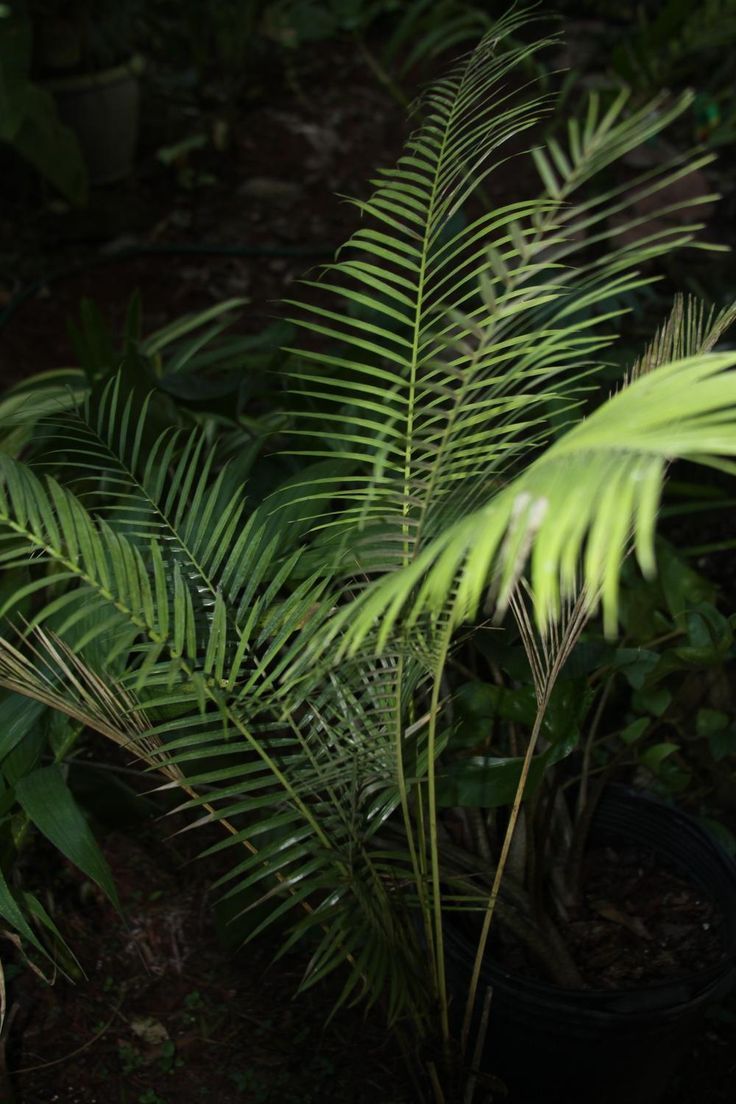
point(150, 1096)
point(250, 1082)
point(168, 1060)
point(130, 1058)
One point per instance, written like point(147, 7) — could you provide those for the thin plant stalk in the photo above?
point(439, 949)
point(546, 667)
point(496, 887)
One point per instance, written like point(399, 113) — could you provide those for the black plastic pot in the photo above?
point(560, 1046)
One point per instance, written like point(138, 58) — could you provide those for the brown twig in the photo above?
point(79, 1050)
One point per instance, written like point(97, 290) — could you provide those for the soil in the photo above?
point(170, 1011)
point(166, 1013)
point(640, 923)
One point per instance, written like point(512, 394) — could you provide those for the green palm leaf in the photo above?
point(583, 500)
point(268, 779)
point(470, 345)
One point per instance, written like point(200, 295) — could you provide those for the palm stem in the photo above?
point(496, 886)
point(439, 961)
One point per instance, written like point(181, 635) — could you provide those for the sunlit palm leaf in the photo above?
point(582, 501)
point(467, 347)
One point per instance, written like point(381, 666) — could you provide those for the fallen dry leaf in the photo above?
point(150, 1031)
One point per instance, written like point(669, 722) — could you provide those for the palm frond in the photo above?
point(299, 803)
point(690, 329)
point(301, 769)
point(583, 500)
point(394, 268)
point(470, 346)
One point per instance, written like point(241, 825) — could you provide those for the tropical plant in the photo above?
point(29, 121)
point(201, 374)
point(678, 44)
point(673, 44)
point(202, 377)
point(286, 665)
point(676, 659)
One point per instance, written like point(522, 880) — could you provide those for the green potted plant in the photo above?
point(287, 662)
point(84, 52)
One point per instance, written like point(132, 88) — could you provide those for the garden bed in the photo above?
point(167, 1015)
point(170, 1011)
point(275, 189)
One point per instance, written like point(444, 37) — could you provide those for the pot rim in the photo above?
point(707, 984)
point(128, 70)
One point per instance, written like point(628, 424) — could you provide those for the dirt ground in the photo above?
point(172, 1011)
point(168, 1015)
point(274, 191)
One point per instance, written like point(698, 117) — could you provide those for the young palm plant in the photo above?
point(285, 664)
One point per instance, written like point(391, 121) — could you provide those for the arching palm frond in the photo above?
point(176, 570)
point(394, 268)
point(583, 500)
point(300, 800)
point(300, 770)
point(468, 345)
